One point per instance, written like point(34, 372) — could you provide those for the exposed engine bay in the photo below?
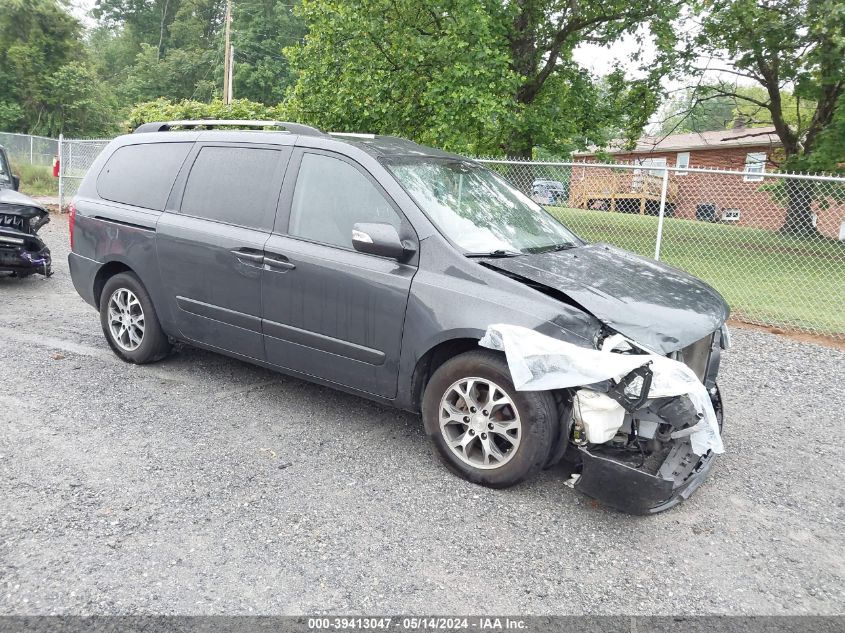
point(645, 427)
point(22, 252)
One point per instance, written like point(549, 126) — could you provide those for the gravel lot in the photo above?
point(203, 485)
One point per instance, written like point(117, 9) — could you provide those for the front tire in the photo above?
point(129, 321)
point(481, 427)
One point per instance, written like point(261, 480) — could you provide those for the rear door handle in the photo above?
point(278, 262)
point(246, 255)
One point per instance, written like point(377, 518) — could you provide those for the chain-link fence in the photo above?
point(772, 244)
point(25, 149)
point(76, 156)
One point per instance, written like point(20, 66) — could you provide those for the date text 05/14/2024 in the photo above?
point(423, 623)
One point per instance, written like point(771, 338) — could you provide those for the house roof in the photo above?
point(735, 137)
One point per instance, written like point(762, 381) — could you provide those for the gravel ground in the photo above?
point(202, 485)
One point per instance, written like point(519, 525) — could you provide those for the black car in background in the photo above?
point(22, 253)
point(375, 265)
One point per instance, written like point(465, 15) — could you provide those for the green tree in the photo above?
point(784, 46)
point(261, 29)
point(174, 48)
point(47, 79)
point(171, 48)
point(706, 108)
point(488, 77)
point(690, 111)
point(166, 110)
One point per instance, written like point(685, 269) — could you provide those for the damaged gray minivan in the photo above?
point(376, 265)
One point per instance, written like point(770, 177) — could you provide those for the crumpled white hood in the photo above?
point(538, 362)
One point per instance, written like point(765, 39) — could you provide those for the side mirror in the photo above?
point(16, 182)
point(378, 238)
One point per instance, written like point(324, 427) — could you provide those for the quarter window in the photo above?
point(142, 175)
point(330, 197)
point(235, 185)
point(755, 162)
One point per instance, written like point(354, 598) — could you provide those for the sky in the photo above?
point(81, 9)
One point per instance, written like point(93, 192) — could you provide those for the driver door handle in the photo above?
point(248, 255)
point(278, 262)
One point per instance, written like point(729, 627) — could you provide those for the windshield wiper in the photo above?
point(554, 248)
point(497, 253)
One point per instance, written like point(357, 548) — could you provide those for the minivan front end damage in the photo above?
point(22, 252)
point(645, 428)
point(640, 470)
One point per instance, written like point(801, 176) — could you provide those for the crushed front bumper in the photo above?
point(24, 254)
point(634, 491)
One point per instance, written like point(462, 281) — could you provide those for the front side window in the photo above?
point(235, 185)
point(478, 210)
point(330, 197)
point(755, 163)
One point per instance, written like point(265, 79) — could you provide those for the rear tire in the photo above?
point(129, 321)
point(481, 427)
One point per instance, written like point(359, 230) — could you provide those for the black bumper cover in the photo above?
point(636, 492)
point(24, 254)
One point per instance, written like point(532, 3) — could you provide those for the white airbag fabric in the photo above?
point(538, 362)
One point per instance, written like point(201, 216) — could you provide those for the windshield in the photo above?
point(478, 210)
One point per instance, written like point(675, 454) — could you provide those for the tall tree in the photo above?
point(149, 49)
point(691, 111)
point(261, 31)
point(783, 46)
point(174, 48)
point(42, 56)
point(705, 108)
point(482, 75)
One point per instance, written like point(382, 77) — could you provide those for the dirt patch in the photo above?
point(802, 337)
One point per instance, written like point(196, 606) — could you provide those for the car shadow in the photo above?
point(397, 432)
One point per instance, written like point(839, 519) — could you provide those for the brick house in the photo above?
point(727, 198)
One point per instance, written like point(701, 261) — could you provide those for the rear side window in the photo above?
point(236, 185)
point(142, 175)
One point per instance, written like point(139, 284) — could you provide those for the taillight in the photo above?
point(71, 212)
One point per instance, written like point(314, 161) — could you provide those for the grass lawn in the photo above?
point(37, 180)
point(766, 277)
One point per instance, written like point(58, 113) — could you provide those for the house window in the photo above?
point(654, 166)
point(682, 162)
point(755, 163)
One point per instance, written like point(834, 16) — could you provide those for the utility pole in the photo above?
point(231, 73)
point(227, 55)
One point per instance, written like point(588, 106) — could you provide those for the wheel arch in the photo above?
point(433, 358)
point(106, 272)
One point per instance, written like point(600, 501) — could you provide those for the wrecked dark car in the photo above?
point(415, 278)
point(22, 253)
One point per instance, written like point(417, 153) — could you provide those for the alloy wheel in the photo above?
point(126, 319)
point(480, 423)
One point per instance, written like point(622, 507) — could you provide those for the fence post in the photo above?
point(31, 155)
point(61, 179)
point(663, 189)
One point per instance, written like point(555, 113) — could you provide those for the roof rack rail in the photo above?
point(366, 135)
point(164, 126)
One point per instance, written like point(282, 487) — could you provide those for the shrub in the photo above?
point(166, 110)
